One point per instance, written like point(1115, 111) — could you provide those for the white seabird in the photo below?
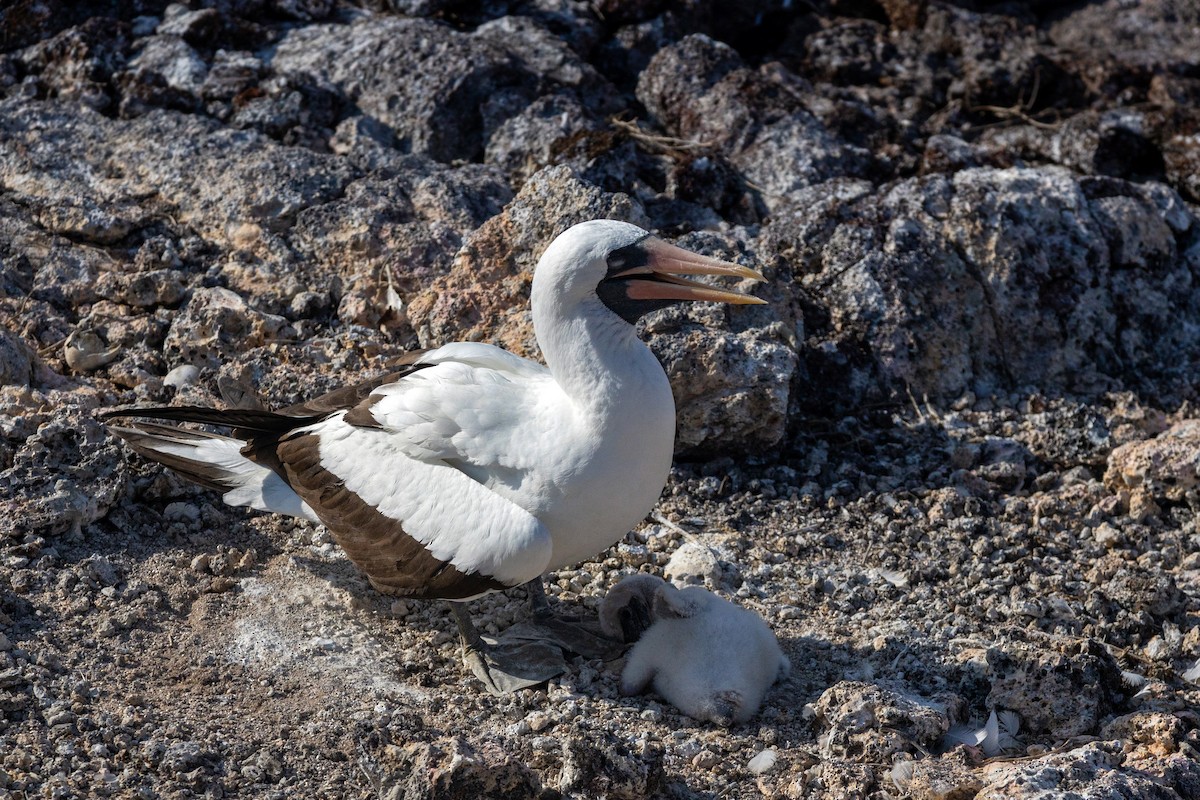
point(469, 469)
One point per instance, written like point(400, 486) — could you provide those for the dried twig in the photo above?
point(655, 141)
point(1019, 110)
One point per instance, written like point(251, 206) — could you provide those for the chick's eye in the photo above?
point(617, 261)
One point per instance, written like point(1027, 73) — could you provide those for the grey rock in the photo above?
point(1040, 279)
point(409, 219)
point(78, 64)
point(699, 89)
point(17, 360)
point(165, 72)
point(173, 60)
point(1120, 143)
point(1094, 771)
point(1153, 34)
point(209, 27)
point(693, 563)
point(849, 53)
point(443, 92)
point(366, 141)
point(183, 757)
point(303, 9)
point(877, 721)
point(217, 323)
point(410, 8)
point(1165, 468)
point(453, 768)
point(1181, 157)
point(229, 185)
point(1060, 688)
point(947, 153)
point(608, 769)
point(69, 473)
point(1136, 589)
point(538, 135)
point(102, 571)
point(230, 74)
point(292, 109)
point(143, 289)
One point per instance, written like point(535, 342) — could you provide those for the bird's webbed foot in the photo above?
point(574, 634)
point(505, 667)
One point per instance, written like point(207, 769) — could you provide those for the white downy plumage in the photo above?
point(709, 658)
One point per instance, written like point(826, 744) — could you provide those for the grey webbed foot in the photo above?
point(573, 634)
point(506, 668)
point(509, 663)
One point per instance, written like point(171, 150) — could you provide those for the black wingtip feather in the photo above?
point(239, 418)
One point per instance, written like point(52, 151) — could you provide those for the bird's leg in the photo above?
point(539, 603)
point(471, 640)
point(505, 668)
point(574, 633)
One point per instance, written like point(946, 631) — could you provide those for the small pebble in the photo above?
point(1157, 649)
point(539, 721)
point(183, 375)
point(221, 584)
point(693, 564)
point(763, 763)
point(1107, 536)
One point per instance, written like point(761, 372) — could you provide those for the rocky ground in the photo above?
point(955, 462)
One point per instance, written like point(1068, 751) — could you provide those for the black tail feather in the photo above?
point(147, 438)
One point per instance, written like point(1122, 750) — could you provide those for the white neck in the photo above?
point(597, 359)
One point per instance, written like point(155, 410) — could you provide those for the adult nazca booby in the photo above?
point(469, 469)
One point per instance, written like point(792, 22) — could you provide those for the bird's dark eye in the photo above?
point(628, 257)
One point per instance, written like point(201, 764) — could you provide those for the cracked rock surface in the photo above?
point(954, 461)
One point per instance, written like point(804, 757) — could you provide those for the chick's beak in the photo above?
point(666, 262)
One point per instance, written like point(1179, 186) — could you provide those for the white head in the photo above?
point(627, 269)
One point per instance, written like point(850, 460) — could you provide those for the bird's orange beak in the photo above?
point(666, 262)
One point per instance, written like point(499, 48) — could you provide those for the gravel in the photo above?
point(953, 462)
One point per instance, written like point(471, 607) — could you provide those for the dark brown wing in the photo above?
point(396, 563)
